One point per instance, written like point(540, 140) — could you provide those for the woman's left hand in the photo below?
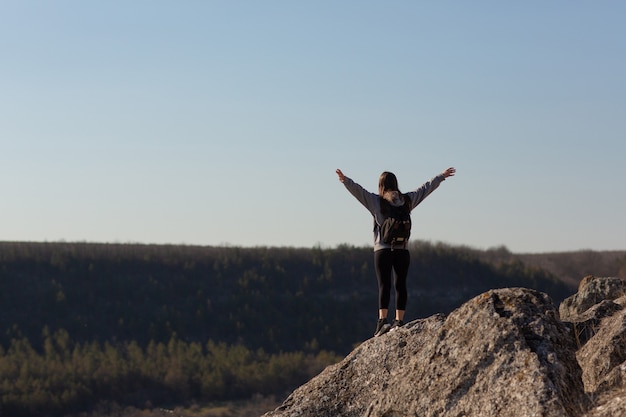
point(449, 172)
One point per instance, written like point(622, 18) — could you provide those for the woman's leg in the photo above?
point(383, 264)
point(401, 262)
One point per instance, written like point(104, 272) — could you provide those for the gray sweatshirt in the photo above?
point(371, 202)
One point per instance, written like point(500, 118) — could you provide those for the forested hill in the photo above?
point(278, 299)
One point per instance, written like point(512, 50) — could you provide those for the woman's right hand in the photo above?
point(340, 175)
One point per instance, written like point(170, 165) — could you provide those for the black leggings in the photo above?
point(387, 261)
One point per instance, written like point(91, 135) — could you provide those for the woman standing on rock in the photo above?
point(389, 255)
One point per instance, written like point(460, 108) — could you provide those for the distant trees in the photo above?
point(68, 377)
point(622, 269)
point(278, 299)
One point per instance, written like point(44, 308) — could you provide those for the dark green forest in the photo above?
point(139, 324)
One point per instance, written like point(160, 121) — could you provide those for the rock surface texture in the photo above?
point(506, 352)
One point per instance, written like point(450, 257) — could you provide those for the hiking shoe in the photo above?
point(397, 324)
point(382, 327)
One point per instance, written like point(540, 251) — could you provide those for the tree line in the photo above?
point(130, 323)
point(278, 299)
point(67, 377)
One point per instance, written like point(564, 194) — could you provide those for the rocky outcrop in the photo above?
point(503, 353)
point(598, 318)
point(586, 324)
point(591, 291)
point(507, 352)
point(603, 357)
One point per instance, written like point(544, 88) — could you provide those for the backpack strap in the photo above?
point(407, 202)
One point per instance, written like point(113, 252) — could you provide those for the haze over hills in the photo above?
point(571, 266)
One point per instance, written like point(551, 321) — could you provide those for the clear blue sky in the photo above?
point(222, 122)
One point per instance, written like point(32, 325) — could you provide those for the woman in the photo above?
point(388, 259)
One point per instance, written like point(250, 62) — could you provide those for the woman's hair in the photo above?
point(387, 182)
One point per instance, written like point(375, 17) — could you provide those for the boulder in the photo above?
point(591, 291)
point(603, 357)
point(587, 324)
point(503, 353)
point(597, 315)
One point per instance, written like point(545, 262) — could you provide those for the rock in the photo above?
point(602, 357)
point(610, 406)
point(591, 291)
point(586, 325)
point(621, 301)
point(503, 353)
point(616, 378)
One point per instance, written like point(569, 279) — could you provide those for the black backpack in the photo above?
point(396, 227)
